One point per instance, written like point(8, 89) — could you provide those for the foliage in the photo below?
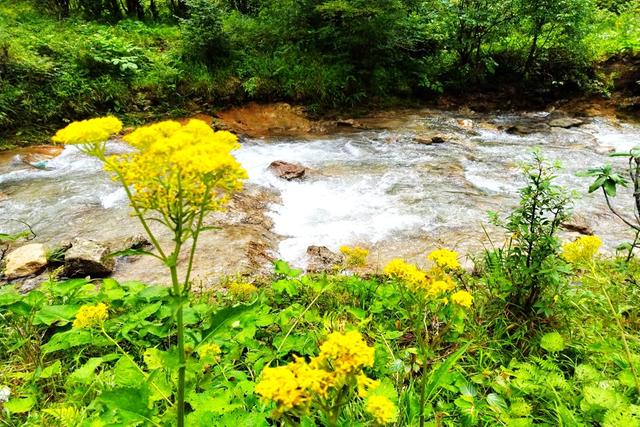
point(607, 180)
point(526, 272)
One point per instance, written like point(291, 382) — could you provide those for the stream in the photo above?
point(375, 187)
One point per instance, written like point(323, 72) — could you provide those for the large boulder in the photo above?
point(25, 261)
point(288, 171)
point(88, 258)
point(578, 224)
point(322, 259)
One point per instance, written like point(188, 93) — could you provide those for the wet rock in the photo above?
point(88, 258)
point(528, 128)
point(428, 140)
point(566, 122)
point(578, 224)
point(322, 259)
point(3, 196)
point(349, 123)
point(25, 261)
point(288, 171)
point(138, 241)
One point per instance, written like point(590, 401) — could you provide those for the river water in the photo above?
point(376, 187)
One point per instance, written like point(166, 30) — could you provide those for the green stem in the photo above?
point(181, 354)
point(425, 368)
point(624, 340)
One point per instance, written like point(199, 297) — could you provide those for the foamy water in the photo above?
point(365, 188)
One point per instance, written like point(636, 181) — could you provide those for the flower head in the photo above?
point(445, 258)
point(355, 256)
point(382, 409)
point(179, 168)
point(209, 351)
point(346, 352)
point(408, 273)
point(242, 291)
point(90, 316)
point(88, 131)
point(583, 249)
point(462, 298)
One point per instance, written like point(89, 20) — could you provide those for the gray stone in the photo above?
point(88, 258)
point(565, 122)
point(322, 259)
point(526, 129)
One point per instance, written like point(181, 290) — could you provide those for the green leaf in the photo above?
point(127, 374)
point(20, 406)
point(73, 338)
point(9, 295)
point(438, 376)
point(87, 372)
point(50, 314)
point(610, 188)
point(54, 369)
point(552, 342)
point(497, 403)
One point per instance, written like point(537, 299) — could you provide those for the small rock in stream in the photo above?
point(288, 171)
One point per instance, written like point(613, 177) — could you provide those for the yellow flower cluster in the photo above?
point(294, 386)
point(209, 351)
point(462, 298)
point(436, 282)
point(242, 291)
point(88, 131)
point(90, 315)
point(445, 258)
point(355, 256)
point(179, 167)
point(583, 249)
point(382, 409)
point(346, 353)
point(408, 273)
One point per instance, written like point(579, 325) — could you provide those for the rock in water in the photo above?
point(25, 261)
point(88, 258)
point(288, 171)
point(565, 122)
point(526, 129)
point(578, 224)
point(322, 259)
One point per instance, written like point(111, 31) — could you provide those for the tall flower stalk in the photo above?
point(176, 175)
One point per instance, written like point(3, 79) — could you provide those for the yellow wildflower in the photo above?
point(408, 273)
point(438, 287)
point(346, 352)
point(445, 258)
point(312, 378)
point(583, 249)
point(282, 386)
point(365, 385)
point(355, 256)
point(90, 315)
point(209, 351)
point(242, 291)
point(382, 409)
point(462, 298)
point(179, 167)
point(88, 131)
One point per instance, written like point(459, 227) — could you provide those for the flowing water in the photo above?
point(374, 187)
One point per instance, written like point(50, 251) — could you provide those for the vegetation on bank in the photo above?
point(541, 332)
point(63, 60)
